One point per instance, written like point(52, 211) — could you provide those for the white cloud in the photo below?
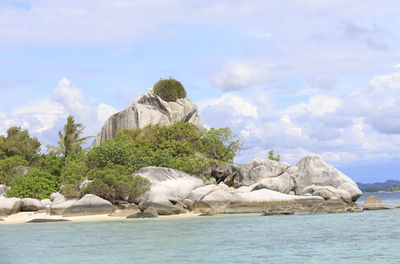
point(237, 75)
point(44, 117)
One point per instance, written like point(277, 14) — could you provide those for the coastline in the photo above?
point(25, 217)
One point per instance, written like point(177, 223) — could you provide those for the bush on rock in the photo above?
point(169, 89)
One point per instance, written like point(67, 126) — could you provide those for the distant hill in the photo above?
point(387, 186)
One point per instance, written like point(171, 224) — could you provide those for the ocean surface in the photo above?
point(368, 237)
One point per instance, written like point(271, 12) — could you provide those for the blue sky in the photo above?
point(309, 77)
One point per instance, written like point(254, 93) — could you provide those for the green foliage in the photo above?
point(271, 156)
point(72, 175)
point(70, 141)
point(38, 184)
point(169, 89)
point(220, 144)
point(17, 142)
point(11, 167)
point(113, 183)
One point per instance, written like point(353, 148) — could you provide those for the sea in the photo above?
point(367, 237)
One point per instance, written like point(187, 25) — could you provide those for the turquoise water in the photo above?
point(368, 237)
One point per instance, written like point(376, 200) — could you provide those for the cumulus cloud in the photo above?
point(237, 75)
point(359, 126)
point(44, 117)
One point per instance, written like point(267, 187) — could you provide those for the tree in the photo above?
point(19, 143)
point(220, 144)
point(272, 157)
point(169, 89)
point(70, 141)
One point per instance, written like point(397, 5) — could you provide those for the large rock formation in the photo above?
point(150, 109)
point(168, 185)
point(314, 171)
point(374, 203)
point(89, 204)
point(9, 206)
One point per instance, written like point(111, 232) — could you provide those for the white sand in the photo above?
point(24, 217)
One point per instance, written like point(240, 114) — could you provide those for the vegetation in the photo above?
point(220, 144)
point(391, 188)
point(169, 89)
point(70, 141)
point(271, 156)
point(109, 168)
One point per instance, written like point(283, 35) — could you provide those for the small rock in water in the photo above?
point(45, 220)
point(398, 206)
point(148, 213)
point(1, 219)
point(374, 203)
point(206, 214)
point(278, 213)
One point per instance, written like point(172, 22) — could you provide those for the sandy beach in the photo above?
point(24, 217)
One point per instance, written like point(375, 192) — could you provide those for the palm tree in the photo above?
point(69, 138)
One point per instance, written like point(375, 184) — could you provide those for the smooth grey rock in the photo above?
point(29, 204)
point(60, 207)
point(314, 171)
point(284, 183)
point(398, 206)
point(45, 203)
point(283, 212)
point(264, 200)
point(327, 192)
point(9, 206)
point(225, 187)
point(334, 205)
point(124, 205)
point(124, 213)
point(374, 203)
point(257, 170)
point(199, 193)
point(3, 189)
point(90, 204)
point(189, 203)
point(214, 202)
point(150, 109)
point(161, 209)
point(58, 198)
point(168, 184)
point(148, 213)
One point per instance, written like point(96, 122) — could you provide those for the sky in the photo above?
point(300, 77)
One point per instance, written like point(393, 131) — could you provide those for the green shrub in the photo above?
point(169, 89)
point(220, 144)
point(113, 183)
point(11, 167)
point(38, 184)
point(72, 175)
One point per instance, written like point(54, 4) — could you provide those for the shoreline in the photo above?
point(25, 217)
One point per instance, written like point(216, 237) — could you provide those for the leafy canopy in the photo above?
point(169, 89)
point(220, 144)
point(70, 141)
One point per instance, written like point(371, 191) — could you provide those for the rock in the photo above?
point(333, 205)
point(1, 219)
point(84, 183)
point(225, 187)
point(327, 192)
point(199, 193)
point(3, 189)
point(284, 183)
point(58, 208)
point(314, 171)
point(161, 209)
point(257, 170)
point(45, 203)
point(9, 206)
point(398, 206)
point(264, 200)
point(150, 109)
point(222, 170)
point(214, 202)
point(168, 184)
point(148, 213)
point(57, 198)
point(285, 212)
point(374, 203)
point(124, 213)
point(124, 205)
point(47, 220)
point(29, 204)
point(189, 203)
point(90, 204)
